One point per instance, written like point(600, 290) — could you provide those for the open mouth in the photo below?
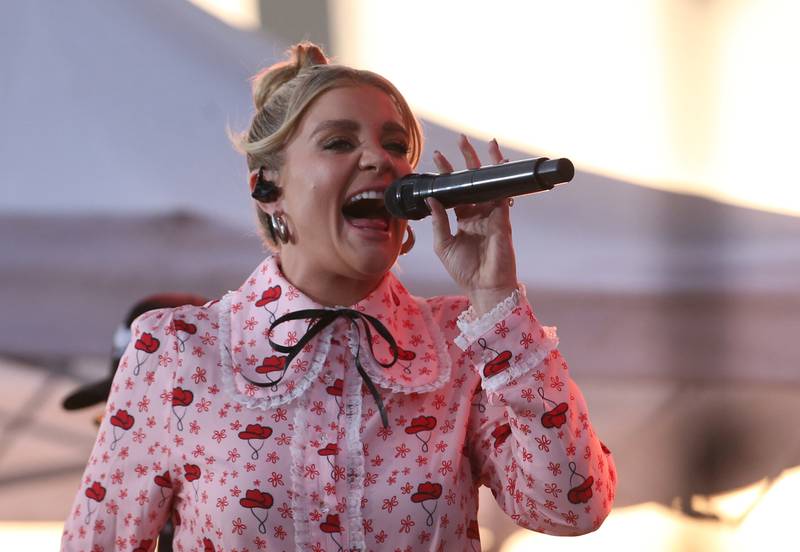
point(367, 210)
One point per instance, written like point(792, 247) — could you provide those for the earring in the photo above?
point(265, 191)
point(410, 241)
point(278, 229)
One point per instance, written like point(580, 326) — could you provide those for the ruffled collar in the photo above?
point(247, 313)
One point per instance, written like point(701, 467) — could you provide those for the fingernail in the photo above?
point(494, 141)
point(428, 203)
point(436, 152)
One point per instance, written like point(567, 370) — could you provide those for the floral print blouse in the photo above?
point(207, 422)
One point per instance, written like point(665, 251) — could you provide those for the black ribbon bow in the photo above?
point(322, 318)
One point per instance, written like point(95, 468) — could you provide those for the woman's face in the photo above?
point(350, 141)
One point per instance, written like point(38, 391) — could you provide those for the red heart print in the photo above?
point(96, 492)
point(336, 389)
point(191, 472)
point(181, 396)
point(164, 480)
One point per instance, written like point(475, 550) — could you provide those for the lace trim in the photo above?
point(267, 401)
point(300, 502)
point(529, 361)
point(443, 357)
point(472, 326)
point(355, 456)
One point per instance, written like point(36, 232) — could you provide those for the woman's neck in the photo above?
point(330, 290)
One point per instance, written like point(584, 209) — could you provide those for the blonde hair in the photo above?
point(282, 94)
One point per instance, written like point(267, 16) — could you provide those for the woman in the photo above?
point(277, 419)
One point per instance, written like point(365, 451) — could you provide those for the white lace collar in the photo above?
point(247, 313)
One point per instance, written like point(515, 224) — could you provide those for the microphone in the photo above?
point(405, 198)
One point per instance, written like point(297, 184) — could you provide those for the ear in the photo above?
point(267, 175)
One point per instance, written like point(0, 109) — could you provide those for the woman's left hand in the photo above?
point(480, 256)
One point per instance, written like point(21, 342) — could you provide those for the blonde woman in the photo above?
point(321, 406)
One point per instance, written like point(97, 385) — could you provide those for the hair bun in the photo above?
point(301, 56)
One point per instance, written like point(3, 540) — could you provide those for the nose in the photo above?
point(375, 158)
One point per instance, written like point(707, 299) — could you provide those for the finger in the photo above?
point(442, 163)
point(469, 153)
point(495, 153)
point(440, 222)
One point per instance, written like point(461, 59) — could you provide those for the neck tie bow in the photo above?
point(322, 318)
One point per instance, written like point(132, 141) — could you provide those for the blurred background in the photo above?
point(670, 264)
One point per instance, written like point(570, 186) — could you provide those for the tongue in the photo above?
point(373, 223)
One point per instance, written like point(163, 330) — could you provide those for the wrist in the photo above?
point(484, 300)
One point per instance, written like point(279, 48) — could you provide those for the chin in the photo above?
point(375, 265)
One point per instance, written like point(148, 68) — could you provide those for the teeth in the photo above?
point(372, 194)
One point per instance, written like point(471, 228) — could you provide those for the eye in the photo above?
point(338, 144)
point(398, 147)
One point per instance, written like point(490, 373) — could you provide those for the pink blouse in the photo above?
point(207, 422)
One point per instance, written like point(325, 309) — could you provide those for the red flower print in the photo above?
point(257, 433)
point(427, 491)
point(406, 524)
point(500, 434)
point(501, 329)
point(256, 501)
point(580, 493)
point(421, 428)
point(146, 344)
point(181, 398)
point(121, 422)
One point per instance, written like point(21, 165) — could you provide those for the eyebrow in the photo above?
point(351, 125)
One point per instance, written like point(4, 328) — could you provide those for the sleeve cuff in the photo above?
point(472, 327)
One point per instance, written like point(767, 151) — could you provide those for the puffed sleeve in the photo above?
point(125, 494)
point(530, 438)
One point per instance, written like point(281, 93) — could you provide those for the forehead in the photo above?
point(368, 106)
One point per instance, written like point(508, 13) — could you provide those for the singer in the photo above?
point(321, 406)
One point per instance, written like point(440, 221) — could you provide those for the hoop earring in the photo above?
point(265, 191)
point(278, 229)
point(408, 245)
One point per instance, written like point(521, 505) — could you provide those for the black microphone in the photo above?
point(405, 198)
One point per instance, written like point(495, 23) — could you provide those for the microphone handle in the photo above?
point(490, 183)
